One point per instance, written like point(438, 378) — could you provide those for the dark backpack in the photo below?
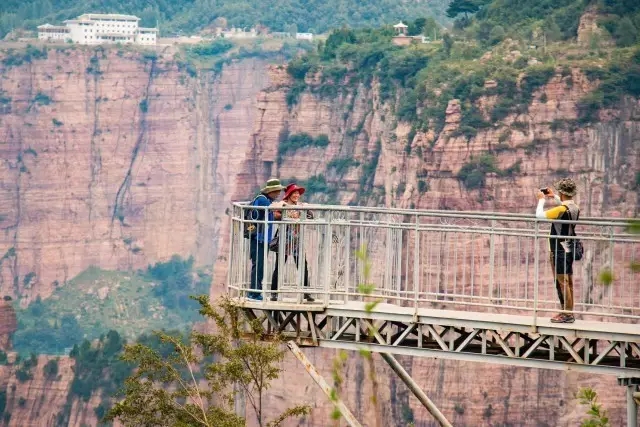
point(250, 227)
point(575, 244)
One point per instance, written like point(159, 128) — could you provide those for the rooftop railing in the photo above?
point(468, 261)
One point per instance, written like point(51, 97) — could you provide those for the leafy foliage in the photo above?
point(292, 143)
point(342, 165)
point(597, 416)
point(621, 77)
point(165, 389)
point(15, 58)
point(473, 174)
point(50, 369)
point(466, 7)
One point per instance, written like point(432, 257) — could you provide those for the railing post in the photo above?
point(232, 249)
point(491, 258)
point(416, 266)
point(536, 273)
point(282, 244)
point(347, 263)
point(265, 248)
point(327, 250)
point(302, 256)
point(611, 266)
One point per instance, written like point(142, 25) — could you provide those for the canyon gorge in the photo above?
point(119, 159)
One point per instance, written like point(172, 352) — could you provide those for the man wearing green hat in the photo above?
point(560, 247)
point(261, 237)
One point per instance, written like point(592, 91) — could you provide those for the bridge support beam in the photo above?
point(313, 372)
point(632, 385)
point(415, 389)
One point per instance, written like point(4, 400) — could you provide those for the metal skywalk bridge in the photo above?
point(456, 285)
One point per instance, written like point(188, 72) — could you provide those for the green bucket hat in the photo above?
point(566, 186)
point(272, 185)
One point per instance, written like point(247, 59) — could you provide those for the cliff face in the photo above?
point(468, 394)
point(37, 401)
point(7, 325)
point(536, 148)
point(118, 160)
point(114, 159)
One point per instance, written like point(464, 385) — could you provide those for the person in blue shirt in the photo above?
point(270, 192)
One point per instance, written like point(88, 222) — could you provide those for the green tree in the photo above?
point(552, 31)
point(456, 7)
point(51, 369)
point(497, 34)
point(447, 44)
point(597, 416)
point(626, 33)
point(186, 387)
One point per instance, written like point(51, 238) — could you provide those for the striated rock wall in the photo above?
point(547, 142)
point(37, 401)
point(8, 325)
point(115, 159)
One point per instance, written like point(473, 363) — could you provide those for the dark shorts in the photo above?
point(562, 262)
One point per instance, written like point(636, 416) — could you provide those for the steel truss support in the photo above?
point(313, 372)
point(471, 340)
point(415, 389)
point(632, 384)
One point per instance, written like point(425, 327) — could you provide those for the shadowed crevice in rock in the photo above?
point(121, 194)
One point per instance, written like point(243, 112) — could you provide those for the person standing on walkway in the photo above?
point(561, 255)
point(261, 237)
point(290, 236)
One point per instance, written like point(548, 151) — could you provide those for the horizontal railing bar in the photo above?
point(438, 213)
point(515, 232)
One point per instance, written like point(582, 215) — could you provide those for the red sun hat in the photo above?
point(290, 189)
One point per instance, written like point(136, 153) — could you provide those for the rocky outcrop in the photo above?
point(546, 142)
point(116, 159)
point(7, 325)
point(38, 400)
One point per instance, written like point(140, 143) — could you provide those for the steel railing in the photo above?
point(489, 262)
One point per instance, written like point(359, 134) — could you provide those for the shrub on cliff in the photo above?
point(473, 174)
point(186, 386)
point(216, 47)
point(291, 143)
point(51, 369)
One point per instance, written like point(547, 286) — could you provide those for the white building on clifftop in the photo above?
point(97, 28)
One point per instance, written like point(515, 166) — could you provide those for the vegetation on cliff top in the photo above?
point(517, 59)
point(315, 16)
point(97, 301)
point(493, 62)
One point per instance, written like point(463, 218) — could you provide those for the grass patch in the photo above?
point(98, 300)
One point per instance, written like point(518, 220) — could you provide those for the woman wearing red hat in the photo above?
point(291, 248)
